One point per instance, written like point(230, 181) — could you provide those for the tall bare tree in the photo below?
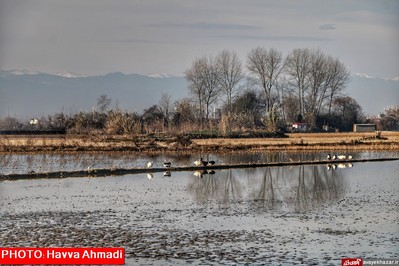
point(195, 76)
point(203, 83)
point(318, 84)
point(265, 66)
point(211, 84)
point(338, 76)
point(230, 74)
point(297, 69)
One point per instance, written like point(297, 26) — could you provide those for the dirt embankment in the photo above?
point(160, 144)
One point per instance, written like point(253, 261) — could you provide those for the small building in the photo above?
point(300, 127)
point(364, 127)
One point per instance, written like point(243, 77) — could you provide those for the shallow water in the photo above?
point(273, 215)
point(20, 164)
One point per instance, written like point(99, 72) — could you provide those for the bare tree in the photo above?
point(338, 76)
point(211, 85)
point(230, 74)
point(317, 78)
point(103, 102)
point(297, 69)
point(164, 106)
point(318, 84)
point(265, 66)
point(195, 77)
point(203, 79)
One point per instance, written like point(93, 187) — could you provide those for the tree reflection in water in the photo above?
point(295, 188)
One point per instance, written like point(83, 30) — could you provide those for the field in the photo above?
point(160, 143)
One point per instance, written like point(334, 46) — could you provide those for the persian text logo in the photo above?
point(352, 262)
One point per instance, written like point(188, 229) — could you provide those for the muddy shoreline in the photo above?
point(151, 144)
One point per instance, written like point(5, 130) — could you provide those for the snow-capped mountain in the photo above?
point(37, 94)
point(160, 76)
point(24, 92)
point(67, 74)
point(364, 75)
point(22, 72)
point(374, 94)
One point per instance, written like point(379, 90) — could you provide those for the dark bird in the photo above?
point(328, 156)
point(167, 164)
point(211, 162)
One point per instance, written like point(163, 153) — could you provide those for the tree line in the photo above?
point(268, 92)
point(297, 88)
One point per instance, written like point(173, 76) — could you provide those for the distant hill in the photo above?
point(25, 94)
point(374, 94)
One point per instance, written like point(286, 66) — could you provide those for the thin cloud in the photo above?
point(205, 26)
point(279, 38)
point(327, 27)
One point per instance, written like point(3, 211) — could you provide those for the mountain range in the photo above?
point(27, 94)
point(31, 94)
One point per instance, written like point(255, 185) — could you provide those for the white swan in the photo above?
point(200, 162)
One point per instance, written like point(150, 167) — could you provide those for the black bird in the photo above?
point(328, 156)
point(211, 162)
point(167, 164)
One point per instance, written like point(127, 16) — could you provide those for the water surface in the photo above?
point(307, 214)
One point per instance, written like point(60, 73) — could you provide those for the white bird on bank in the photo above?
point(341, 157)
point(328, 157)
point(350, 157)
point(334, 157)
point(200, 162)
point(149, 164)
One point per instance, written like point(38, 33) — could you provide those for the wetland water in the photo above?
point(306, 214)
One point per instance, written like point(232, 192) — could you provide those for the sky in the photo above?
point(94, 37)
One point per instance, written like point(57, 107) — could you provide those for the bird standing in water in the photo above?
point(149, 164)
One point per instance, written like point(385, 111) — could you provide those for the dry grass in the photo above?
point(301, 141)
point(297, 141)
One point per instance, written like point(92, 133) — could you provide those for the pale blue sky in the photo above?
point(96, 36)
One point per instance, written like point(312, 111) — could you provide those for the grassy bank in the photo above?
point(159, 143)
